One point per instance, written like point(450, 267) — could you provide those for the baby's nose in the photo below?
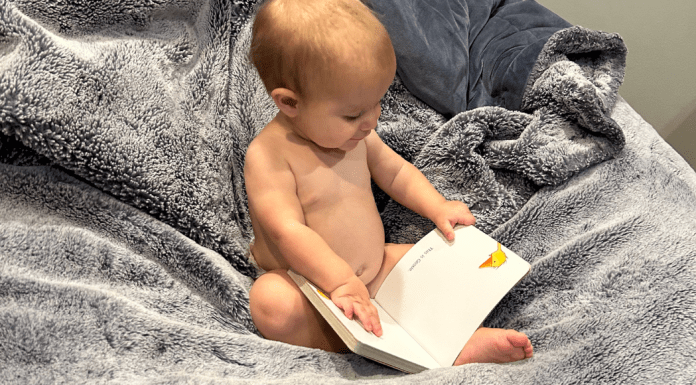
point(370, 122)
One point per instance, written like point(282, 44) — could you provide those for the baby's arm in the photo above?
point(271, 191)
point(408, 186)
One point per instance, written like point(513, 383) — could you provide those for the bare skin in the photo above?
point(308, 178)
point(495, 346)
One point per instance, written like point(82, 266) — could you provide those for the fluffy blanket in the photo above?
point(123, 219)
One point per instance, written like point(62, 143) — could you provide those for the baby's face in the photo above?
point(339, 114)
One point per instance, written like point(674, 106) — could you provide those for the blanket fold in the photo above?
point(143, 115)
point(459, 55)
point(494, 159)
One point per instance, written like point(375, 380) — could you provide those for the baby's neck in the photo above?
point(286, 125)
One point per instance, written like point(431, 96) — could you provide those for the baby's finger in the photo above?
point(467, 218)
point(370, 320)
point(377, 328)
point(346, 306)
point(363, 318)
point(447, 230)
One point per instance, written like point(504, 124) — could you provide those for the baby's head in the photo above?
point(306, 45)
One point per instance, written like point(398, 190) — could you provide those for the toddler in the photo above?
point(327, 64)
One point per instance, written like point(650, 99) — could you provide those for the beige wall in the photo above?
point(660, 80)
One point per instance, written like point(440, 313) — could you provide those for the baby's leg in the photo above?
point(282, 313)
point(495, 345)
point(392, 255)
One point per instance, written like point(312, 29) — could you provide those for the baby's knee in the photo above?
point(275, 304)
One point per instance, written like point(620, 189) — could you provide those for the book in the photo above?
point(432, 301)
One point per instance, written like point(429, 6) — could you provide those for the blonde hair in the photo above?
point(296, 41)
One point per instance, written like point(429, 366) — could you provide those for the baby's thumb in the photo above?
point(346, 306)
point(447, 230)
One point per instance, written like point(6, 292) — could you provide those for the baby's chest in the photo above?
point(321, 184)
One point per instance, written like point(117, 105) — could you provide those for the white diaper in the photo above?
point(252, 259)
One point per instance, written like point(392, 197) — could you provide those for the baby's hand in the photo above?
point(450, 214)
point(354, 299)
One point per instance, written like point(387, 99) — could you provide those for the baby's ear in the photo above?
point(286, 101)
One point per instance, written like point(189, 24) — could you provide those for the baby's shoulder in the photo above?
point(271, 151)
point(264, 149)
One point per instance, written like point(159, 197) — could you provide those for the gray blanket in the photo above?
point(123, 220)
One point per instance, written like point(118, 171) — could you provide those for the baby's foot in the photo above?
point(495, 345)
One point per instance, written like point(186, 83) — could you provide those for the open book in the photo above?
point(432, 302)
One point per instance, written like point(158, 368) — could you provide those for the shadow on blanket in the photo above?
point(123, 221)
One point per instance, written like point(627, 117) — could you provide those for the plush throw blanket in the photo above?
point(123, 218)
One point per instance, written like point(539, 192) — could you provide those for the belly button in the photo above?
point(360, 271)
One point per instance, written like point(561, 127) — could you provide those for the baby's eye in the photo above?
point(352, 118)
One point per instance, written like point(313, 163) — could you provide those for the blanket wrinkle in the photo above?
point(496, 158)
point(130, 86)
point(124, 220)
point(587, 65)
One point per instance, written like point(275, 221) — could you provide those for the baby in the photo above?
point(327, 64)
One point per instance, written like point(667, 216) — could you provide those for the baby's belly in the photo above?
point(355, 232)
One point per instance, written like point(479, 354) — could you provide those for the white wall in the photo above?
point(660, 82)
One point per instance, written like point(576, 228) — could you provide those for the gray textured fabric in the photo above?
point(494, 159)
point(457, 55)
point(123, 134)
point(149, 78)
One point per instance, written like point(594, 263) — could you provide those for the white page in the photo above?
point(394, 340)
point(442, 304)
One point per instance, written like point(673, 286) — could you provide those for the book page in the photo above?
point(440, 293)
point(394, 340)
